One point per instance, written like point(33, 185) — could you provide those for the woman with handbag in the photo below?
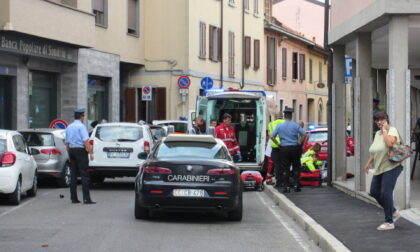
point(386, 171)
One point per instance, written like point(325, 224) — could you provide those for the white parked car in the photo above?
point(116, 147)
point(18, 169)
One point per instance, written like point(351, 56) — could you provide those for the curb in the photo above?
point(321, 237)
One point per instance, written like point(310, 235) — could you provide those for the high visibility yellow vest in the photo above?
point(271, 126)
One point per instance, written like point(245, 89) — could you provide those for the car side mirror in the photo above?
point(35, 151)
point(143, 155)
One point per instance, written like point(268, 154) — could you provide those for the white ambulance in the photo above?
point(249, 118)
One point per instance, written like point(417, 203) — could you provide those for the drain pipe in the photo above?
point(242, 84)
point(221, 45)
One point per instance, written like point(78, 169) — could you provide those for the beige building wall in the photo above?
point(342, 10)
point(50, 20)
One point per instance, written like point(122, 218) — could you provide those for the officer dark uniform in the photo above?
point(78, 147)
point(289, 150)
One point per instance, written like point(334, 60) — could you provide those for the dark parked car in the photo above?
point(189, 173)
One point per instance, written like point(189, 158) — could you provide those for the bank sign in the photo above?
point(33, 46)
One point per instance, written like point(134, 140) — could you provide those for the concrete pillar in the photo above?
point(399, 96)
point(363, 107)
point(339, 116)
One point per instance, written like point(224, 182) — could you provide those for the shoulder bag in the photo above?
point(399, 152)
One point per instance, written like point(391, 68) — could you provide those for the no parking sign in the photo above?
point(146, 93)
point(58, 124)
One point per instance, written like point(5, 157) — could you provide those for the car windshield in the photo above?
point(191, 150)
point(38, 139)
point(178, 127)
point(3, 146)
point(119, 133)
point(318, 136)
point(158, 133)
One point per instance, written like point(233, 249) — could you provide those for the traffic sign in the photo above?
point(348, 70)
point(207, 83)
point(58, 124)
point(184, 82)
point(146, 93)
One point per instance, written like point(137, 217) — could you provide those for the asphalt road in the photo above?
point(50, 223)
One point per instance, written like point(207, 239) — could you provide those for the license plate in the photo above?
point(118, 154)
point(188, 193)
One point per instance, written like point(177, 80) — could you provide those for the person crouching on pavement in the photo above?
point(226, 133)
point(289, 149)
point(386, 171)
point(310, 159)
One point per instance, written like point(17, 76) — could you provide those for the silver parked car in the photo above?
point(52, 159)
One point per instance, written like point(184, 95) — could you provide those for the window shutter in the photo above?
point(132, 15)
point(130, 104)
point(310, 71)
point(301, 67)
point(256, 54)
point(247, 49)
point(275, 61)
point(202, 40)
point(219, 44)
point(98, 5)
point(269, 73)
point(284, 62)
point(211, 39)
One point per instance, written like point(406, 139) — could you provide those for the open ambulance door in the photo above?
point(261, 135)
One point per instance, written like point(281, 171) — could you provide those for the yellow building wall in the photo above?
point(115, 39)
point(314, 91)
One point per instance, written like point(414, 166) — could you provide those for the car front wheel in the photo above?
point(15, 196)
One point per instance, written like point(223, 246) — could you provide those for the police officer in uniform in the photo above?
point(78, 147)
point(275, 158)
point(289, 149)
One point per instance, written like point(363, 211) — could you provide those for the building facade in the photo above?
point(380, 38)
point(59, 55)
point(220, 39)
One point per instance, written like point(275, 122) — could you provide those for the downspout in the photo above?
point(221, 46)
point(242, 84)
point(330, 94)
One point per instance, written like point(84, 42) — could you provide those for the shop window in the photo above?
point(97, 100)
point(42, 99)
point(5, 102)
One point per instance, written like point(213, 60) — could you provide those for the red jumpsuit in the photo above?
point(227, 135)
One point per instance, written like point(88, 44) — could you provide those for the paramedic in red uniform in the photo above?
point(226, 133)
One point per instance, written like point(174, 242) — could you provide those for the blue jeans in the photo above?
point(382, 188)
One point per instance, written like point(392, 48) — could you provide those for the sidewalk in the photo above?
point(344, 221)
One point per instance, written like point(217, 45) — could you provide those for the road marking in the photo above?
point(24, 204)
point(295, 235)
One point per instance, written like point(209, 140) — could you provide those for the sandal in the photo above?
point(386, 226)
point(396, 215)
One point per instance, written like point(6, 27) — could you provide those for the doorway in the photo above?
point(5, 102)
point(42, 99)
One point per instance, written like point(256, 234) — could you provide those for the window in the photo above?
point(246, 5)
point(215, 48)
point(256, 7)
point(271, 61)
point(202, 53)
point(301, 67)
point(199, 150)
point(247, 48)
point(310, 71)
point(281, 105)
point(294, 109)
point(19, 143)
point(284, 63)
point(231, 54)
point(300, 112)
point(100, 9)
point(119, 133)
point(38, 139)
point(256, 53)
point(295, 66)
point(320, 72)
point(133, 17)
